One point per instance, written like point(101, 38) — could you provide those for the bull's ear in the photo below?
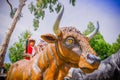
point(50, 38)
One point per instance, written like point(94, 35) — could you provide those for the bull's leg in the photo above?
point(61, 75)
point(36, 72)
point(50, 72)
point(13, 73)
point(63, 72)
point(10, 73)
point(36, 76)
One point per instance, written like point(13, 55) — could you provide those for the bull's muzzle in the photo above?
point(92, 59)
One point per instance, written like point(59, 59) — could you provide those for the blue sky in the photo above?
point(107, 12)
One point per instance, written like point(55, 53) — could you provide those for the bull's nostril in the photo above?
point(93, 59)
point(90, 58)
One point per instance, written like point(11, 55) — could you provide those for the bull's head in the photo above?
point(73, 47)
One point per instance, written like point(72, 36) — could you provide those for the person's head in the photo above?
point(28, 36)
point(31, 42)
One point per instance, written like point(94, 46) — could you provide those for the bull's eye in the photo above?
point(69, 41)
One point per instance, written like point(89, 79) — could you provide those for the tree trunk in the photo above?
point(5, 43)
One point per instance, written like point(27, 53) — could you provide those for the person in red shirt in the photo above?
point(28, 37)
point(41, 46)
point(30, 49)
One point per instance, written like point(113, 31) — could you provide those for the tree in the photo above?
point(97, 42)
point(16, 52)
point(17, 49)
point(13, 10)
point(5, 43)
point(102, 48)
point(115, 46)
point(90, 28)
point(7, 66)
point(39, 8)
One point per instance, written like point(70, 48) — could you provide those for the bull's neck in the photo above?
point(54, 49)
point(50, 54)
point(60, 56)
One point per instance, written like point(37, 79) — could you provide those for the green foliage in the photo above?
point(17, 49)
point(39, 8)
point(90, 28)
point(35, 24)
point(16, 52)
point(73, 2)
point(7, 66)
point(115, 46)
point(102, 48)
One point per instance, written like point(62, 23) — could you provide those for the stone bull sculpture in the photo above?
point(69, 48)
point(109, 69)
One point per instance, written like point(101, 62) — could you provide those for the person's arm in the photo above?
point(34, 51)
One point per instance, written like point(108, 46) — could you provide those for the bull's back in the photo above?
point(25, 69)
point(16, 70)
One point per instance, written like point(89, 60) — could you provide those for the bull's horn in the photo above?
point(90, 36)
point(56, 25)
